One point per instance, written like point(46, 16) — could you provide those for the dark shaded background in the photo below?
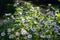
point(38, 2)
point(6, 6)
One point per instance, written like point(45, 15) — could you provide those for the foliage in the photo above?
point(28, 23)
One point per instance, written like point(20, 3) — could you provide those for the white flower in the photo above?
point(12, 29)
point(37, 7)
point(7, 14)
point(12, 17)
point(47, 30)
point(42, 36)
point(23, 20)
point(29, 36)
point(20, 12)
point(35, 22)
point(11, 36)
point(51, 13)
point(47, 10)
point(53, 23)
point(9, 30)
point(58, 27)
point(55, 30)
point(3, 34)
point(49, 4)
point(17, 34)
point(21, 7)
point(33, 29)
point(23, 32)
point(15, 4)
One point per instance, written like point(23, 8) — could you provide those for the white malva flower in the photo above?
point(23, 32)
point(7, 14)
point(42, 36)
point(12, 29)
point(33, 29)
point(49, 4)
point(12, 17)
point(3, 34)
point(21, 7)
point(47, 10)
point(20, 12)
point(9, 30)
point(15, 4)
point(35, 22)
point(29, 36)
point(58, 27)
point(55, 30)
point(53, 23)
point(37, 7)
point(23, 20)
point(47, 30)
point(17, 34)
point(11, 36)
point(51, 13)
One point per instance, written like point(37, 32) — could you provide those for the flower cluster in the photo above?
point(28, 23)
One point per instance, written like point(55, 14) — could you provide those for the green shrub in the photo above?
point(28, 23)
